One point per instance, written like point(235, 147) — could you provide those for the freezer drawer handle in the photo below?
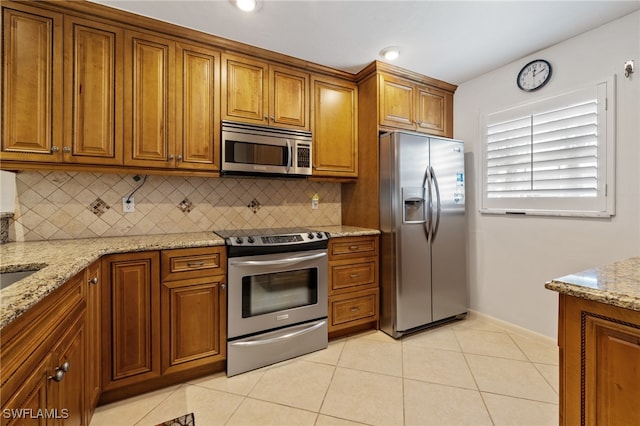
point(280, 338)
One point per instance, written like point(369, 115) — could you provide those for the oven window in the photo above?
point(255, 153)
point(262, 294)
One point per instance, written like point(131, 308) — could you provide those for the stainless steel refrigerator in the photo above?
point(423, 241)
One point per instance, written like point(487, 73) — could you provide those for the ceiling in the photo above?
point(453, 41)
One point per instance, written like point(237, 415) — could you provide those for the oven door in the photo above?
point(275, 290)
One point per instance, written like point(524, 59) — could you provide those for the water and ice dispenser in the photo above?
point(413, 205)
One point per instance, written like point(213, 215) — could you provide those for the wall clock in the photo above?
point(534, 75)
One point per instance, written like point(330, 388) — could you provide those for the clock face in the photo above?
point(534, 75)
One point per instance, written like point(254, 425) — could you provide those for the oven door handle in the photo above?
point(286, 336)
point(285, 261)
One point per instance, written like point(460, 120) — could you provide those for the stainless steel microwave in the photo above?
point(250, 150)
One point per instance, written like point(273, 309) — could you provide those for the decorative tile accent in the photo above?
point(99, 206)
point(254, 206)
point(64, 205)
point(186, 206)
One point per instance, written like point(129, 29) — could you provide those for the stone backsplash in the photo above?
point(63, 205)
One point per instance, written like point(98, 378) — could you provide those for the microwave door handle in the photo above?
point(286, 261)
point(289, 155)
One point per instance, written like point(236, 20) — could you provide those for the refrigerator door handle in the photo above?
point(426, 186)
point(439, 208)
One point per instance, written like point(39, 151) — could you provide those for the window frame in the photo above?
point(603, 205)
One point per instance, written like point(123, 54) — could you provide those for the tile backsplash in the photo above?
point(63, 205)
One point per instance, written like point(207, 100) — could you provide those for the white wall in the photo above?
point(511, 257)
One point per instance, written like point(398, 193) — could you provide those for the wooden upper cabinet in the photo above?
point(259, 93)
point(397, 105)
point(434, 111)
point(31, 84)
point(149, 104)
point(405, 104)
point(197, 107)
point(93, 92)
point(335, 128)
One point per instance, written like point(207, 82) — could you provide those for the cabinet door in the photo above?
point(31, 84)
point(130, 318)
point(149, 102)
point(289, 98)
point(245, 90)
point(335, 130)
point(29, 398)
point(194, 323)
point(197, 108)
point(612, 372)
point(94, 336)
point(434, 111)
point(68, 393)
point(396, 97)
point(93, 92)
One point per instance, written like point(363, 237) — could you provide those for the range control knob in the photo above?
point(319, 235)
point(310, 236)
point(239, 240)
point(250, 240)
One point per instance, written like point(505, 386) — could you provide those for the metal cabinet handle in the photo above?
point(354, 275)
point(354, 248)
point(60, 372)
point(195, 264)
point(93, 280)
point(66, 149)
point(273, 118)
point(266, 117)
point(355, 309)
point(55, 149)
point(223, 286)
point(179, 158)
point(170, 157)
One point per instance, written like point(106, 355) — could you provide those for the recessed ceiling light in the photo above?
point(246, 5)
point(390, 53)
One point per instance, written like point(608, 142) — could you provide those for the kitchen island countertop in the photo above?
point(56, 261)
point(616, 284)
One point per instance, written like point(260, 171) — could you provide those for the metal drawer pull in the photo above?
point(93, 280)
point(354, 248)
point(60, 371)
point(194, 263)
point(355, 309)
point(354, 275)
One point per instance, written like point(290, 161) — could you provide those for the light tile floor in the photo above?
point(477, 371)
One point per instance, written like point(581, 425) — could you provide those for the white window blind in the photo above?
point(553, 156)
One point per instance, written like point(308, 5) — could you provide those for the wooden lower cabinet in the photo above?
point(44, 361)
point(353, 284)
point(130, 319)
point(599, 363)
point(194, 310)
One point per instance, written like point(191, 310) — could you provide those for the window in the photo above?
point(552, 157)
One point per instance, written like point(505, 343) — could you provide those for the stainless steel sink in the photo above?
point(8, 278)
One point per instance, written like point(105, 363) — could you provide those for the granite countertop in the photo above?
point(616, 284)
point(56, 261)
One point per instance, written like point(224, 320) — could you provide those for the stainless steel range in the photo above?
point(277, 295)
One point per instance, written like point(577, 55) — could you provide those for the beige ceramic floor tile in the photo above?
point(252, 412)
point(436, 366)
point(537, 348)
point(374, 335)
point(330, 355)
point(334, 421)
point(239, 385)
point(364, 397)
point(510, 377)
point(299, 384)
point(489, 343)
point(508, 411)
point(478, 322)
point(439, 338)
point(376, 356)
point(129, 411)
point(209, 407)
point(551, 373)
point(428, 404)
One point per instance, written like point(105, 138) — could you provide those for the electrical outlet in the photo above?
point(314, 204)
point(128, 205)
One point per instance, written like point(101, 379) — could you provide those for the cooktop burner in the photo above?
point(271, 236)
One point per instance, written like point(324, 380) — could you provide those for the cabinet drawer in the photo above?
point(350, 275)
point(344, 248)
point(354, 308)
point(192, 263)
